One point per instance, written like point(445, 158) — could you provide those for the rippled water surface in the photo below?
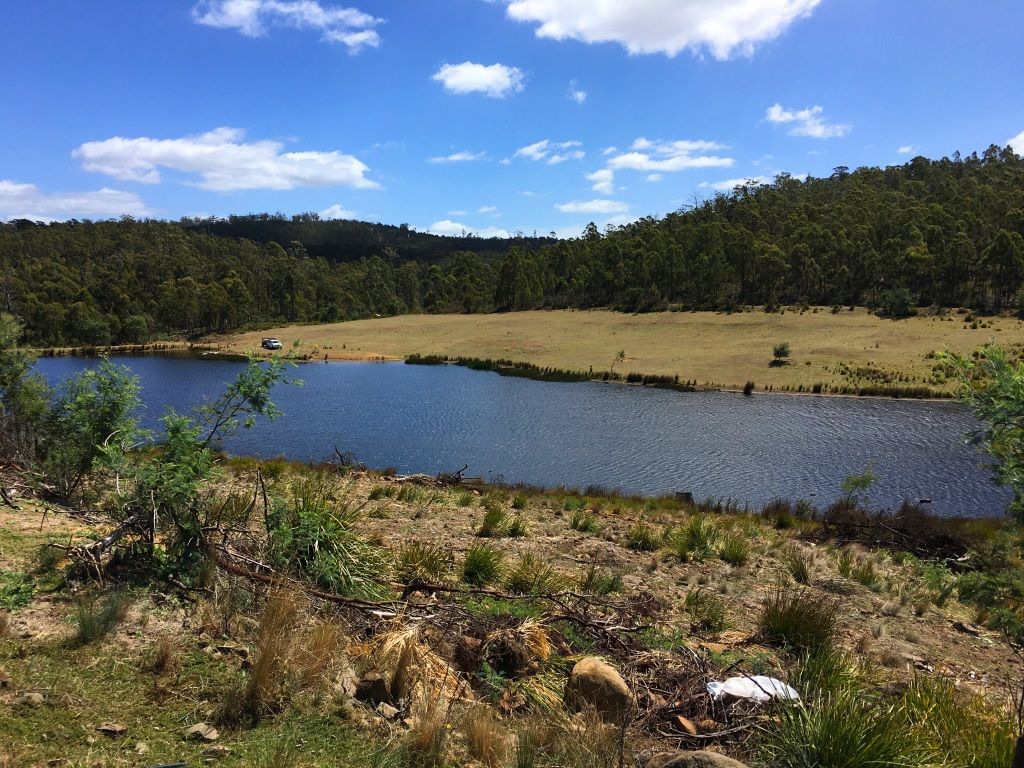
point(437, 418)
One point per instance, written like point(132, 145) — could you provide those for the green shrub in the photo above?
point(96, 617)
point(798, 618)
point(643, 538)
point(707, 611)
point(424, 562)
point(735, 549)
point(482, 565)
point(16, 590)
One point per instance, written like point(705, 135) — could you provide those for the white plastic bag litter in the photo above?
point(758, 688)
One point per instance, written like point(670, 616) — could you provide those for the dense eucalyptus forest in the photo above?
point(946, 232)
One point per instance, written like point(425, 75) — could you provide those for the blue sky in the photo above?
point(492, 115)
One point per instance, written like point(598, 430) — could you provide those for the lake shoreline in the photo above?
point(501, 367)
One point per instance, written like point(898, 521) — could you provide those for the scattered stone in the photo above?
point(111, 729)
point(374, 689)
point(684, 725)
point(217, 751)
point(593, 684)
point(202, 732)
point(387, 711)
point(689, 759)
point(31, 699)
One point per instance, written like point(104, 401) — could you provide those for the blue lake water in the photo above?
point(648, 441)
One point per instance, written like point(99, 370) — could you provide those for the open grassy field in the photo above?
point(714, 349)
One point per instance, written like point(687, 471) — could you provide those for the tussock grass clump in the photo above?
point(426, 743)
point(519, 501)
point(495, 522)
point(517, 528)
point(965, 728)
point(846, 729)
point(595, 581)
point(465, 499)
point(5, 624)
point(643, 538)
point(482, 565)
point(584, 521)
point(96, 617)
point(735, 549)
point(487, 741)
point(798, 618)
point(410, 494)
point(530, 575)
point(315, 535)
point(823, 671)
point(425, 562)
point(379, 492)
point(707, 611)
point(165, 656)
point(697, 540)
point(797, 565)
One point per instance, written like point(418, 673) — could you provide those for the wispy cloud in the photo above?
point(552, 152)
point(593, 206)
point(906, 149)
point(575, 93)
point(809, 122)
point(728, 185)
point(254, 18)
point(463, 156)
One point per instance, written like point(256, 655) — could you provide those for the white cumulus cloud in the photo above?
point(337, 211)
point(593, 206)
point(223, 162)
point(495, 80)
point(906, 149)
point(808, 122)
point(1017, 143)
point(27, 201)
point(723, 27)
point(604, 181)
point(253, 18)
point(457, 229)
point(464, 156)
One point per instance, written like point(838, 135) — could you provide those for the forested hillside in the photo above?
point(945, 232)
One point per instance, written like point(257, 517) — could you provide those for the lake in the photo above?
point(647, 441)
